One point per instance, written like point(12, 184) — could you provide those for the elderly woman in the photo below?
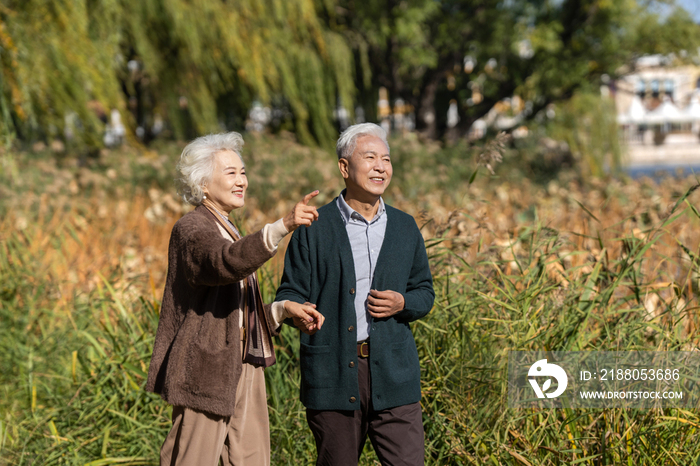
point(214, 335)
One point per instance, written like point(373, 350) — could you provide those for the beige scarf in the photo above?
point(258, 349)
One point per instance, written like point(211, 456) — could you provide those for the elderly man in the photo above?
point(364, 265)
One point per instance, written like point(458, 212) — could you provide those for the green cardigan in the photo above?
point(319, 268)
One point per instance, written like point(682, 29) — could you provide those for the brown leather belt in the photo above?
point(363, 349)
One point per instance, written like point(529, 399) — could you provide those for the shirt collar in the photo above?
point(347, 212)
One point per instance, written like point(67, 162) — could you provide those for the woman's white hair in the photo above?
point(348, 139)
point(196, 165)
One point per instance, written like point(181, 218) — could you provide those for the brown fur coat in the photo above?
point(196, 360)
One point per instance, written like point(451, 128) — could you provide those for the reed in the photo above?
point(517, 266)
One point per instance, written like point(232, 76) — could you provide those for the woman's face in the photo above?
point(228, 182)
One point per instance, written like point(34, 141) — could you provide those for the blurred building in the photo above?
point(658, 111)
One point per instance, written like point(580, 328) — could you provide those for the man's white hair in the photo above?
point(196, 165)
point(348, 139)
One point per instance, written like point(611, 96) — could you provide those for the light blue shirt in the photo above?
point(366, 240)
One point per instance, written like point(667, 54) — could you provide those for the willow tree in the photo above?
point(67, 62)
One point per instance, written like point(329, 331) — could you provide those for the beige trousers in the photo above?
point(201, 439)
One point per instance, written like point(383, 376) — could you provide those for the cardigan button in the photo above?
point(352, 290)
point(351, 328)
point(352, 364)
point(352, 399)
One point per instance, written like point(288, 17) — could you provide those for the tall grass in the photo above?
point(606, 266)
point(484, 312)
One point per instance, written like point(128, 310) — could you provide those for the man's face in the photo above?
point(368, 170)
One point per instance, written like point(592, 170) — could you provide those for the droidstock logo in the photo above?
point(542, 369)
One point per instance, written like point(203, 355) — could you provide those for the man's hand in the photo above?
point(305, 316)
point(301, 214)
point(383, 304)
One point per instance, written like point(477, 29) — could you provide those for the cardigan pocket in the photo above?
point(404, 361)
point(318, 368)
point(209, 373)
point(211, 357)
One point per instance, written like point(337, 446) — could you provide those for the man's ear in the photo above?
point(343, 166)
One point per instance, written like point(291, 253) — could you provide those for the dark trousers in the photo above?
point(396, 433)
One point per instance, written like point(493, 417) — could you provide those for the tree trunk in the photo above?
point(426, 120)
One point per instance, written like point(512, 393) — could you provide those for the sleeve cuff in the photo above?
point(273, 234)
point(278, 313)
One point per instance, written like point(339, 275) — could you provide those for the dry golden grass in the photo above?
point(122, 233)
point(517, 266)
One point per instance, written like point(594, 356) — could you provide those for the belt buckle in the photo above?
point(364, 345)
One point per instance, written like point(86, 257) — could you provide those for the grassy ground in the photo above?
point(601, 265)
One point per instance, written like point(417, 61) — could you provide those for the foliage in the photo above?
point(66, 64)
point(673, 34)
point(587, 124)
point(478, 53)
point(201, 66)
